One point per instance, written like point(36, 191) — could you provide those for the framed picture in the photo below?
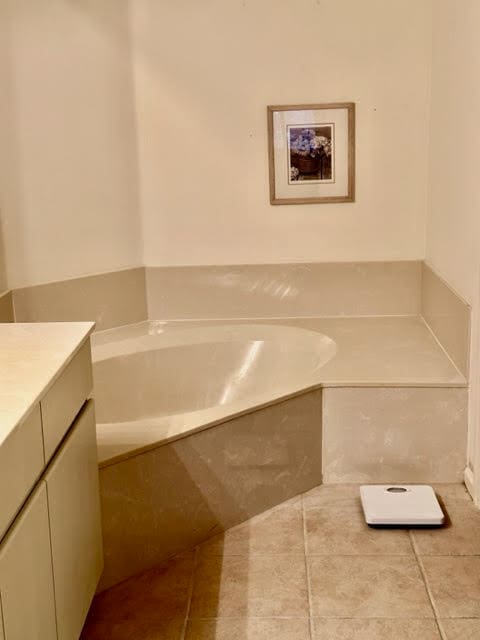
point(311, 151)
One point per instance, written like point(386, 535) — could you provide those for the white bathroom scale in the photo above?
point(401, 505)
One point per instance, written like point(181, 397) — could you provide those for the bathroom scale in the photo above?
point(401, 505)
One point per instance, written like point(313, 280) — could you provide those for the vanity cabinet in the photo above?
point(21, 464)
point(26, 578)
point(51, 554)
point(76, 536)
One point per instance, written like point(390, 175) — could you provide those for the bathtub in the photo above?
point(157, 382)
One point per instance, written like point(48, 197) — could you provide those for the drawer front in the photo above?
point(65, 399)
point(26, 580)
point(21, 463)
point(75, 524)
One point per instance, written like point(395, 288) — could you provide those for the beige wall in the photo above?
point(205, 72)
point(453, 228)
point(453, 224)
point(68, 183)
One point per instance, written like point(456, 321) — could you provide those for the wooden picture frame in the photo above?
point(311, 151)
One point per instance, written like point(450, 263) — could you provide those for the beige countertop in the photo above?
point(31, 357)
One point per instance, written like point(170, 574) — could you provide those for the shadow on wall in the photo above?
point(11, 200)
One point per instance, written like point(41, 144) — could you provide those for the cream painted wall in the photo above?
point(453, 226)
point(68, 169)
point(204, 73)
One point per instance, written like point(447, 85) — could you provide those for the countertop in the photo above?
point(31, 357)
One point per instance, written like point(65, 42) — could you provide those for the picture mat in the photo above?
point(305, 189)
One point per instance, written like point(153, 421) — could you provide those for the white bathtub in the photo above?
point(155, 383)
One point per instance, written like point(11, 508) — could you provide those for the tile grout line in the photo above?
point(307, 570)
point(427, 586)
point(190, 594)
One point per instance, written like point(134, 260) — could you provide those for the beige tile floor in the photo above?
point(309, 569)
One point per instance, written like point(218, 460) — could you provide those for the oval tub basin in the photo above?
point(161, 383)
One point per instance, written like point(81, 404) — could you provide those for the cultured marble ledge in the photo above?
point(371, 351)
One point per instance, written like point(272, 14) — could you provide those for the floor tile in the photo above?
point(261, 586)
point(277, 531)
point(367, 587)
point(340, 530)
point(454, 583)
point(452, 493)
point(461, 629)
point(326, 495)
point(150, 606)
point(459, 537)
point(248, 629)
point(146, 629)
point(330, 629)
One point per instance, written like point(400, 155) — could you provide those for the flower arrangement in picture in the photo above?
point(307, 143)
point(310, 153)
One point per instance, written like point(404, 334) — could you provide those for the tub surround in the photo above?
point(394, 288)
point(391, 434)
point(170, 498)
point(108, 299)
point(232, 291)
point(360, 352)
point(384, 391)
point(284, 290)
point(448, 316)
point(50, 523)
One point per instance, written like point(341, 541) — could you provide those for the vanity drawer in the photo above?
point(65, 399)
point(21, 463)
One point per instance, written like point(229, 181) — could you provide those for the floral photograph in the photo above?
point(310, 151)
